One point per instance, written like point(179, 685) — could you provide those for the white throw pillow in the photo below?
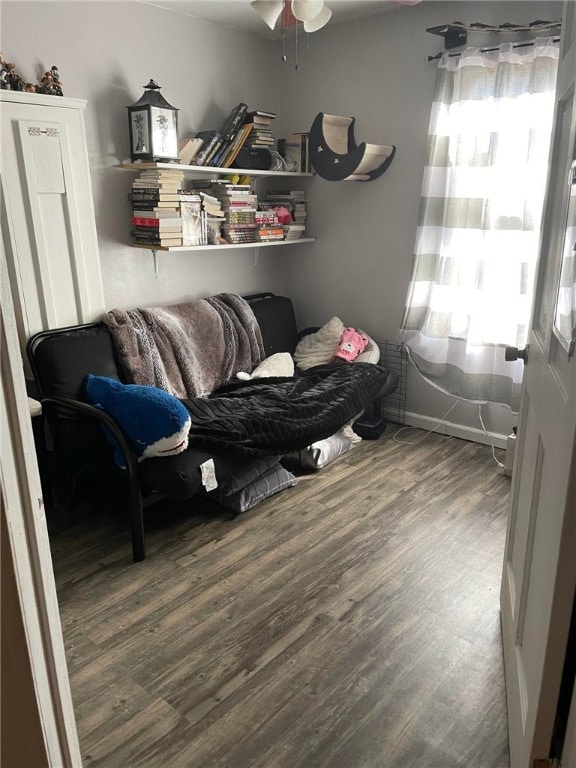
point(279, 364)
point(319, 348)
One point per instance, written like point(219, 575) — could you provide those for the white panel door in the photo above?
point(539, 573)
point(48, 222)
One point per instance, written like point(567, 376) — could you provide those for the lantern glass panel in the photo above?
point(164, 132)
point(140, 133)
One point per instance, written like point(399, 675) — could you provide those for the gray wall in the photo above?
point(374, 69)
point(105, 53)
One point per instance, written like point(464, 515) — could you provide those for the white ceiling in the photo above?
point(239, 14)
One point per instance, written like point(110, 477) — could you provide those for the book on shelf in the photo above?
point(233, 121)
point(160, 224)
point(175, 242)
point(154, 233)
point(211, 140)
point(238, 227)
point(161, 199)
point(212, 210)
point(159, 178)
point(162, 173)
point(146, 184)
point(256, 142)
point(261, 113)
point(288, 194)
point(188, 148)
point(207, 197)
point(259, 120)
point(218, 157)
point(153, 213)
point(241, 216)
point(212, 154)
point(234, 239)
point(266, 218)
point(266, 234)
point(233, 147)
point(293, 231)
point(162, 240)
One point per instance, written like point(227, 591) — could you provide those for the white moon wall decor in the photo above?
point(336, 156)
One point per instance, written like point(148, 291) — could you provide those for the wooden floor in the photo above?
point(350, 622)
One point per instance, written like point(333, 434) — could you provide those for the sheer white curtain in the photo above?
point(479, 218)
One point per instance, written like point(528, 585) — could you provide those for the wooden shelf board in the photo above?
point(207, 169)
point(225, 247)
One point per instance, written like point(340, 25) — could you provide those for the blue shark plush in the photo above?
point(155, 422)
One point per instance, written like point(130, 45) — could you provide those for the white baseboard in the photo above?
point(449, 428)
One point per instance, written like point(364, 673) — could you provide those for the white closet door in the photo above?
point(48, 222)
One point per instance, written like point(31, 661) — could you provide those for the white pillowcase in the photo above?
point(278, 364)
point(319, 348)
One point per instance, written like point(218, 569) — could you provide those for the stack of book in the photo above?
point(156, 217)
point(294, 231)
point(260, 123)
point(268, 228)
point(295, 201)
point(239, 207)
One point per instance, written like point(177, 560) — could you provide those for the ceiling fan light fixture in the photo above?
point(306, 10)
point(318, 21)
point(268, 10)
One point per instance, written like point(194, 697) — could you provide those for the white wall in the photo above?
point(105, 53)
point(376, 70)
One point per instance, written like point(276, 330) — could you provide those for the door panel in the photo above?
point(539, 574)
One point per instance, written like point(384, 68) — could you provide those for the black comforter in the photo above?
point(279, 415)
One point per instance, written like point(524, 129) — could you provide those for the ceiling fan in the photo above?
point(314, 14)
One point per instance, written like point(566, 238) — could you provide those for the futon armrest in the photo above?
point(55, 403)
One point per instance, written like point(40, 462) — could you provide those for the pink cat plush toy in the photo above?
point(351, 344)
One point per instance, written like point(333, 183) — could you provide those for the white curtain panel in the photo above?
point(479, 218)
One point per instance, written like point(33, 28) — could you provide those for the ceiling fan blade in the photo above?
point(318, 21)
point(306, 10)
point(268, 10)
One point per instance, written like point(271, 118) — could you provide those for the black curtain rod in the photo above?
point(487, 50)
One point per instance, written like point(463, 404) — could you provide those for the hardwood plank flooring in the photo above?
point(350, 622)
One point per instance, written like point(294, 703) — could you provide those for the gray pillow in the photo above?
point(235, 474)
point(319, 454)
point(273, 480)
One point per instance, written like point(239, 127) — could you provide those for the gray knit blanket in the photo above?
point(187, 349)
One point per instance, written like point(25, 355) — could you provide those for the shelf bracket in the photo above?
point(155, 260)
point(256, 256)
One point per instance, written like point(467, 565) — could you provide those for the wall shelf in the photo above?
point(209, 170)
point(225, 246)
point(182, 248)
point(199, 170)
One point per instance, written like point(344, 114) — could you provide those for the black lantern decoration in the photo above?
point(153, 127)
